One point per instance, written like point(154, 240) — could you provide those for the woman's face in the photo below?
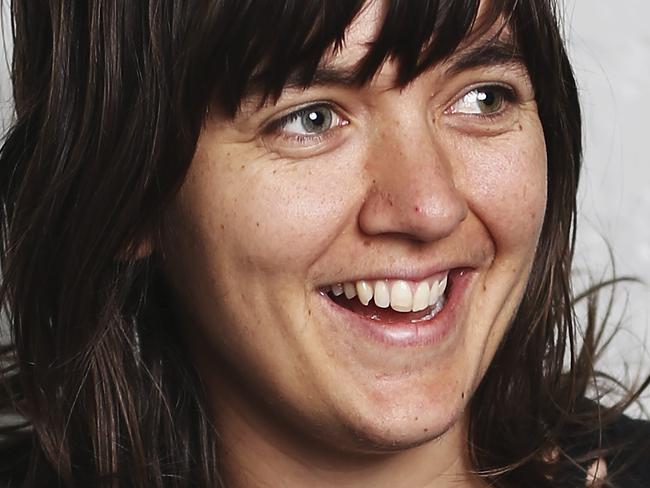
point(385, 191)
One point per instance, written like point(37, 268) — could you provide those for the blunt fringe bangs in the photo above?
point(247, 57)
point(110, 100)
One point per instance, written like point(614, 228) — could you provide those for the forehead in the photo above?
point(359, 35)
point(375, 15)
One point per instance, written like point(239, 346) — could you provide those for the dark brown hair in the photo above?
point(110, 98)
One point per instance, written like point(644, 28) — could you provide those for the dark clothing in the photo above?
point(627, 452)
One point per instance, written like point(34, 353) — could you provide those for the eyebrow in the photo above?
point(494, 53)
point(324, 75)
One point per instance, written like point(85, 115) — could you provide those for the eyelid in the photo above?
point(278, 123)
point(509, 93)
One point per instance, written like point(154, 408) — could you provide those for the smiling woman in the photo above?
point(316, 243)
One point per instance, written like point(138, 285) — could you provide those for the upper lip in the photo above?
point(415, 273)
point(415, 268)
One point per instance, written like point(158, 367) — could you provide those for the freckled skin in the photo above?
point(403, 183)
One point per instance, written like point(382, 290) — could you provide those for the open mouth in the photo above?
point(393, 301)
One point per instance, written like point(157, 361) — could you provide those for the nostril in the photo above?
point(416, 214)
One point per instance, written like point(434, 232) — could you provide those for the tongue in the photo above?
point(382, 315)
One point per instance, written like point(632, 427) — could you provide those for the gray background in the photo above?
point(609, 43)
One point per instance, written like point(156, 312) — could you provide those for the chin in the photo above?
point(382, 429)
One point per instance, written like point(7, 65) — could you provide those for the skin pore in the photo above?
point(335, 184)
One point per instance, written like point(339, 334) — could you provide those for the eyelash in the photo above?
point(508, 94)
point(276, 126)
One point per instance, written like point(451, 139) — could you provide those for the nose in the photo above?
point(413, 193)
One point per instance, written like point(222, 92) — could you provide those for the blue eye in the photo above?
point(484, 100)
point(311, 120)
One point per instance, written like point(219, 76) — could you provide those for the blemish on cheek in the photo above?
point(222, 226)
point(417, 209)
point(462, 395)
point(425, 430)
point(366, 243)
point(521, 127)
point(257, 224)
point(243, 166)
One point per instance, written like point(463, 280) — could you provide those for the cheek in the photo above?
point(507, 188)
point(278, 216)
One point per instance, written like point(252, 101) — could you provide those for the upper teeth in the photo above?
point(400, 295)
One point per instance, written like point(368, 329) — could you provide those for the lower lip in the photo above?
point(407, 334)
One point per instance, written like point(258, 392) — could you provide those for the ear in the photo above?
point(137, 250)
point(144, 249)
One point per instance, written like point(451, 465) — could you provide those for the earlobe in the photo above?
point(137, 250)
point(144, 249)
